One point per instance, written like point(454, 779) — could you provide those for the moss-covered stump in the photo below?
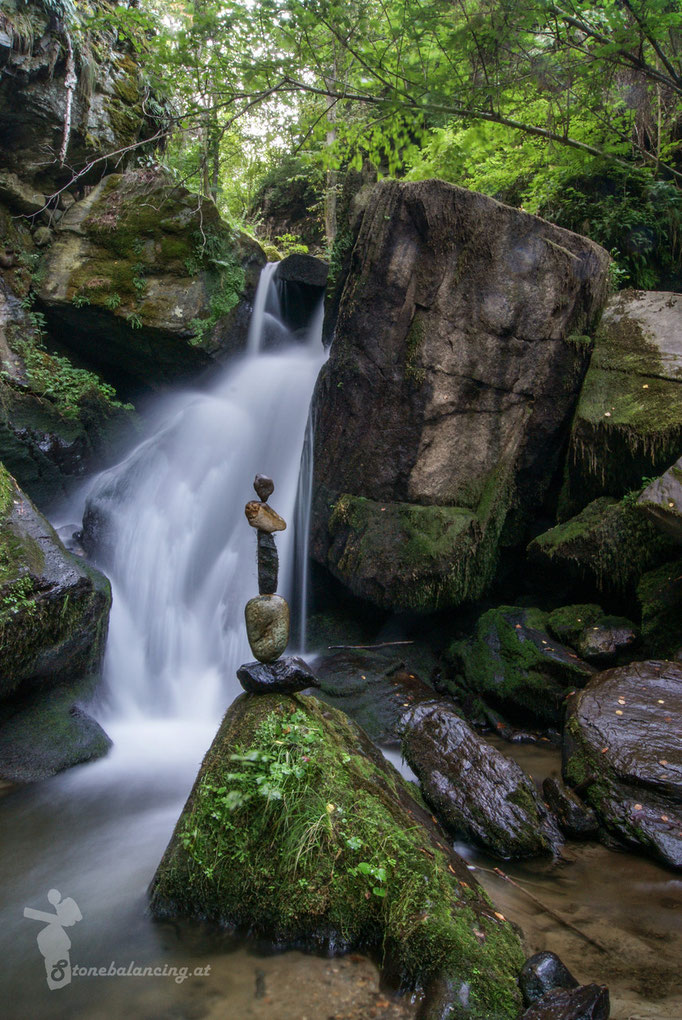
point(628, 424)
point(660, 597)
point(595, 636)
point(605, 548)
point(475, 791)
point(515, 665)
point(53, 607)
point(146, 281)
point(623, 752)
point(47, 732)
point(461, 342)
point(299, 831)
point(661, 501)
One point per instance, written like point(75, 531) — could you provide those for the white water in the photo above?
point(182, 563)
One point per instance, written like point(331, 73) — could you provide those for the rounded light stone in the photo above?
point(267, 626)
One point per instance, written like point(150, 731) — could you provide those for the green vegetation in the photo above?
point(297, 829)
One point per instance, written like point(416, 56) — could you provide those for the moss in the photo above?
point(296, 833)
point(660, 596)
point(568, 622)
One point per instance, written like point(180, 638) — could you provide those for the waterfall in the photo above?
point(175, 542)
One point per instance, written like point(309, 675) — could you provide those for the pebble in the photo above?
point(264, 487)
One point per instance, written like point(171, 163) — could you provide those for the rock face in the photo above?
point(515, 665)
point(163, 299)
point(53, 623)
point(628, 423)
point(607, 547)
point(458, 355)
point(662, 501)
point(623, 751)
point(362, 864)
point(475, 791)
point(108, 107)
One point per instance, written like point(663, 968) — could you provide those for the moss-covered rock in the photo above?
point(299, 831)
point(514, 664)
point(661, 501)
point(594, 635)
point(475, 791)
point(628, 423)
point(623, 752)
point(660, 596)
point(606, 548)
point(460, 345)
point(146, 281)
point(53, 607)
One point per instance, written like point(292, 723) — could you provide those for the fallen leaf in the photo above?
point(499, 916)
point(664, 818)
point(638, 807)
point(619, 711)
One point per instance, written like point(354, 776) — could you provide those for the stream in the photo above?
point(182, 564)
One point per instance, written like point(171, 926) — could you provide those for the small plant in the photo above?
point(291, 244)
point(113, 301)
point(134, 320)
point(80, 300)
point(17, 597)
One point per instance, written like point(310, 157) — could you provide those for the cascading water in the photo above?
point(180, 556)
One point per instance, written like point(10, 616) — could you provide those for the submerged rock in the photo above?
point(267, 626)
point(587, 1002)
point(628, 423)
point(513, 663)
point(475, 791)
point(286, 676)
point(623, 751)
point(458, 355)
point(331, 852)
point(542, 973)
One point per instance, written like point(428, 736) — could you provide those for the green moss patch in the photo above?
point(298, 830)
point(660, 596)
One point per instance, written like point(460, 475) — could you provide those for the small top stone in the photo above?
point(264, 487)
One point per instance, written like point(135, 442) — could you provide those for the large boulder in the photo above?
point(623, 752)
point(299, 831)
point(145, 280)
point(109, 105)
point(661, 500)
point(475, 791)
point(596, 637)
point(606, 548)
point(459, 350)
point(628, 423)
point(515, 665)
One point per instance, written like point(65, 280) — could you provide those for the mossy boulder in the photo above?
point(145, 280)
point(514, 664)
point(595, 636)
point(53, 606)
point(110, 106)
point(628, 423)
point(299, 831)
point(661, 501)
point(459, 349)
point(623, 752)
point(660, 597)
point(605, 548)
point(477, 794)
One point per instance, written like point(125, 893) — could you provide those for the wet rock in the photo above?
point(268, 564)
point(264, 487)
point(576, 820)
point(594, 635)
point(263, 517)
point(514, 663)
point(267, 626)
point(474, 790)
point(662, 501)
point(19, 195)
point(424, 439)
point(286, 676)
point(361, 815)
point(542, 973)
point(606, 547)
point(628, 423)
point(623, 752)
point(660, 596)
point(587, 1002)
point(130, 286)
point(303, 269)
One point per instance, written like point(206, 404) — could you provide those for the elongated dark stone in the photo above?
point(286, 676)
point(268, 564)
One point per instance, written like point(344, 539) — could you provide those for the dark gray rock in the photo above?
point(268, 564)
point(542, 973)
point(623, 752)
point(662, 500)
point(286, 676)
point(576, 820)
point(474, 790)
point(587, 1002)
point(305, 269)
point(264, 487)
point(440, 417)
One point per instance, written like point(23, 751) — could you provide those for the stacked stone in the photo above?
point(267, 616)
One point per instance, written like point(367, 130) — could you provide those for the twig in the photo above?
point(384, 644)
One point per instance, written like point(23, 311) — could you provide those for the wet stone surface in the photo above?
point(285, 676)
point(542, 973)
point(588, 1002)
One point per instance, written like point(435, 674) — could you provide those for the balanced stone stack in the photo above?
point(267, 616)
